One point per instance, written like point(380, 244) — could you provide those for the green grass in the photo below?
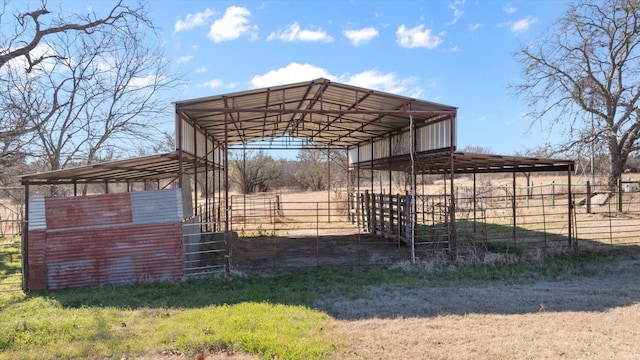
point(271, 316)
point(10, 264)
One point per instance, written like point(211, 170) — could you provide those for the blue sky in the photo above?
point(454, 52)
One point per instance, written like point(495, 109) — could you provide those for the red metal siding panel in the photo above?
point(118, 254)
point(81, 211)
point(37, 279)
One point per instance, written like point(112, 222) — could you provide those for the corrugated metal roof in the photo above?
point(147, 168)
point(465, 163)
point(319, 110)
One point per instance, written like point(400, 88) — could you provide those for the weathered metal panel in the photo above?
point(37, 218)
point(359, 156)
point(401, 144)
point(37, 278)
point(106, 239)
point(187, 131)
point(434, 136)
point(381, 148)
point(119, 254)
point(149, 207)
point(83, 211)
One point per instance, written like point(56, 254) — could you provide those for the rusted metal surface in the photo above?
point(106, 239)
point(118, 254)
point(84, 211)
point(37, 274)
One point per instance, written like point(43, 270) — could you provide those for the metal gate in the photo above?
point(10, 240)
point(204, 252)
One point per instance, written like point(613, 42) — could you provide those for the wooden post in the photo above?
point(588, 200)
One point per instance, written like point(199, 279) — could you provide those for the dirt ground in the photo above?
point(574, 317)
point(593, 317)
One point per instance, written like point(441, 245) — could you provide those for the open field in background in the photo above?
point(292, 229)
point(484, 230)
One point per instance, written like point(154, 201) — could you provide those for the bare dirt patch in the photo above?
point(592, 317)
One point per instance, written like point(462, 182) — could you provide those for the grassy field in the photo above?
point(311, 314)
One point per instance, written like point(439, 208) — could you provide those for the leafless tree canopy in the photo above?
point(79, 88)
point(582, 78)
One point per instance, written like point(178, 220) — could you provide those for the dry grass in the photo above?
point(594, 316)
point(611, 334)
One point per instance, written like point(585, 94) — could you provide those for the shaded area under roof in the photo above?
point(320, 111)
point(147, 168)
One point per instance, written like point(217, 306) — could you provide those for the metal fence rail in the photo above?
point(10, 263)
point(295, 230)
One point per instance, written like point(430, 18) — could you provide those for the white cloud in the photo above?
point(183, 59)
point(509, 9)
point(457, 12)
point(417, 37)
point(202, 69)
point(295, 33)
point(212, 84)
point(361, 36)
point(193, 20)
point(474, 27)
point(389, 82)
point(41, 50)
point(522, 25)
point(233, 24)
point(140, 82)
point(291, 73)
point(372, 79)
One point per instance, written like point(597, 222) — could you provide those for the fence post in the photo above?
point(588, 201)
point(553, 193)
point(407, 214)
point(506, 196)
point(619, 181)
point(367, 204)
point(381, 207)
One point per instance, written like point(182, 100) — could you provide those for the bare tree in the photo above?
point(81, 88)
point(583, 78)
point(254, 171)
point(313, 171)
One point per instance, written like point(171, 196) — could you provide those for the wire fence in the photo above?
point(308, 230)
point(11, 216)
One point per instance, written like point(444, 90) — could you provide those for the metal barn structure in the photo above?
point(379, 131)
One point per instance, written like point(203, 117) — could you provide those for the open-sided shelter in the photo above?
point(379, 131)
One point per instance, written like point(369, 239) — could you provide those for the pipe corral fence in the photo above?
point(292, 230)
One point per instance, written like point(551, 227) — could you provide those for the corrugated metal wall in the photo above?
point(104, 239)
point(195, 143)
point(430, 137)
